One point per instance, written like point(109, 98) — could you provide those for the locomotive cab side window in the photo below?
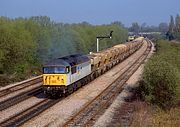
point(73, 69)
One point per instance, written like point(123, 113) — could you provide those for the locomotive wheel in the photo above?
point(92, 76)
point(66, 93)
point(74, 87)
point(96, 74)
point(82, 82)
point(88, 79)
point(70, 89)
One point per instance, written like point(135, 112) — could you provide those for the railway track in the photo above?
point(95, 108)
point(22, 117)
point(19, 98)
point(20, 86)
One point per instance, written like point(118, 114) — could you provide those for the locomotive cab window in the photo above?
point(54, 70)
point(67, 69)
point(73, 69)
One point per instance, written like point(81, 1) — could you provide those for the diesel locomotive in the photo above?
point(65, 75)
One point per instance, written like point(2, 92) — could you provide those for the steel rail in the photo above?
point(101, 109)
point(31, 112)
point(20, 97)
point(77, 119)
point(20, 85)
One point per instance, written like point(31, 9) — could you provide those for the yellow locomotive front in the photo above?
point(54, 76)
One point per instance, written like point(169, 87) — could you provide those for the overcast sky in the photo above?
point(94, 11)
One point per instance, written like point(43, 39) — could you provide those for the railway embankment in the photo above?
point(160, 88)
point(152, 94)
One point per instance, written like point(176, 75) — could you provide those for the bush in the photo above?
point(160, 80)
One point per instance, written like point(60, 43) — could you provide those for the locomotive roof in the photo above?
point(70, 60)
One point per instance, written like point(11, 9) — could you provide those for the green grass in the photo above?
point(170, 52)
point(147, 114)
point(161, 75)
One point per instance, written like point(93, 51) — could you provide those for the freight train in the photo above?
point(65, 75)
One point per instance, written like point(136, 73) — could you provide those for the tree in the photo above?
point(26, 43)
point(143, 27)
point(135, 28)
point(163, 27)
point(177, 23)
point(171, 24)
point(118, 23)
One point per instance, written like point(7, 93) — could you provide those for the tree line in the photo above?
point(171, 30)
point(174, 28)
point(136, 28)
point(27, 43)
